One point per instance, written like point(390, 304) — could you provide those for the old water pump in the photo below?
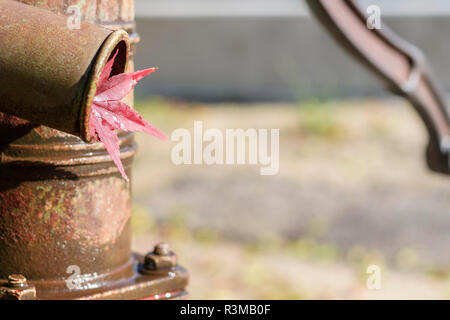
point(64, 209)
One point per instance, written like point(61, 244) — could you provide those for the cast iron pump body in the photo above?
point(65, 210)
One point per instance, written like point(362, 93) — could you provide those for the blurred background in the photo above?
point(353, 188)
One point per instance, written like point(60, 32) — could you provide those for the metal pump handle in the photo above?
point(399, 64)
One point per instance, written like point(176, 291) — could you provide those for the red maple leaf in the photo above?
point(109, 113)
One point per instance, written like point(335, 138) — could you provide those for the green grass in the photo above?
point(316, 119)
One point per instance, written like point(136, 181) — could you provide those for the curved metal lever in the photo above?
point(399, 64)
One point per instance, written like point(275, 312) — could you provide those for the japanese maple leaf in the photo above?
point(109, 113)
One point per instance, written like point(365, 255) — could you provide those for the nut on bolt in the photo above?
point(162, 249)
point(16, 281)
point(17, 288)
point(160, 258)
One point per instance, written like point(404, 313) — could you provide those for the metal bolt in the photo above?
point(17, 288)
point(162, 249)
point(17, 280)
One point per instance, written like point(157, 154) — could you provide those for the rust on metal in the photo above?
point(94, 11)
point(63, 201)
point(48, 71)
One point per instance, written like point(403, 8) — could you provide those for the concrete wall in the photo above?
point(212, 55)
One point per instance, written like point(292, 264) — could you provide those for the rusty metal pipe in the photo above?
point(48, 71)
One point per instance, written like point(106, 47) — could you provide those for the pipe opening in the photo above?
point(117, 42)
point(121, 59)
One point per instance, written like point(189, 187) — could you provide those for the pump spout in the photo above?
point(49, 71)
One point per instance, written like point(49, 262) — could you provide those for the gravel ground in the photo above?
point(352, 182)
